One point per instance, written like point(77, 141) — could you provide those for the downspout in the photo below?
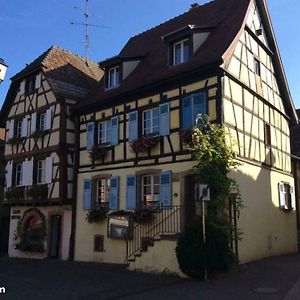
point(75, 178)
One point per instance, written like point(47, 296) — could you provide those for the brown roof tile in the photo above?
point(226, 16)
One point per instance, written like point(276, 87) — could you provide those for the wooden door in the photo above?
point(55, 236)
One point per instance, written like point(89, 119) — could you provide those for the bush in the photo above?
point(194, 257)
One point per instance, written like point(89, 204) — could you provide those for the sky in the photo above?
point(28, 28)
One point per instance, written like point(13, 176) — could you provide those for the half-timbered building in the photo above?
point(220, 59)
point(39, 151)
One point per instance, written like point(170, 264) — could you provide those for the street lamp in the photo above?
point(3, 68)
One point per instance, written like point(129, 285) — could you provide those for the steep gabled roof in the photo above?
point(225, 17)
point(70, 75)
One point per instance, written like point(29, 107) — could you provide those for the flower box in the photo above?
point(144, 143)
point(97, 215)
point(38, 192)
point(98, 151)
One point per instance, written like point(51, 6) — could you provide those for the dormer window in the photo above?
point(113, 75)
point(181, 52)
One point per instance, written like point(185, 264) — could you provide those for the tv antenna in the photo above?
point(87, 25)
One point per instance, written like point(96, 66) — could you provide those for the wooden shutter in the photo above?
point(281, 195)
point(199, 105)
point(38, 81)
point(48, 169)
point(8, 174)
point(165, 196)
point(22, 87)
point(114, 131)
point(133, 126)
point(87, 194)
point(33, 123)
point(187, 121)
point(114, 193)
point(164, 119)
point(10, 126)
point(90, 129)
point(131, 192)
point(48, 118)
point(24, 129)
point(27, 170)
point(293, 197)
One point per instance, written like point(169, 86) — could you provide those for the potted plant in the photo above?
point(14, 193)
point(97, 215)
point(186, 136)
point(38, 192)
point(145, 142)
point(98, 152)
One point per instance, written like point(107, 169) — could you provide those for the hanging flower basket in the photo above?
point(98, 152)
point(97, 215)
point(144, 143)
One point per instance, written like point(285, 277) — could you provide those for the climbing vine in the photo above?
point(215, 159)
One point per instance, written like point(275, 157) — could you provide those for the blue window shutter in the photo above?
point(199, 105)
point(90, 127)
point(87, 194)
point(131, 192)
point(187, 122)
point(165, 197)
point(114, 193)
point(164, 119)
point(133, 126)
point(115, 131)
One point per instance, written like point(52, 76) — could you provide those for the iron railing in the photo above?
point(166, 220)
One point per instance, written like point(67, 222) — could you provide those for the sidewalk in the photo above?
point(271, 278)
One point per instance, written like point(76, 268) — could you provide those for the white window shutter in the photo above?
point(24, 173)
point(24, 131)
point(22, 87)
point(30, 172)
point(33, 123)
point(8, 174)
point(10, 126)
point(293, 197)
point(49, 170)
point(48, 118)
point(281, 192)
point(38, 81)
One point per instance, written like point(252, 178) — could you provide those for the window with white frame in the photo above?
point(150, 190)
point(151, 121)
point(104, 131)
point(42, 121)
point(41, 172)
point(102, 192)
point(181, 52)
point(19, 174)
point(113, 77)
point(19, 129)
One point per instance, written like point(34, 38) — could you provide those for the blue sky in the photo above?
point(28, 28)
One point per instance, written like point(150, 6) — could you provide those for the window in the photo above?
point(42, 121)
point(41, 171)
point(181, 52)
point(30, 85)
point(98, 243)
point(192, 105)
point(19, 174)
point(104, 132)
point(257, 66)
point(151, 121)
point(287, 196)
point(150, 190)
point(113, 77)
point(267, 135)
point(19, 129)
point(102, 192)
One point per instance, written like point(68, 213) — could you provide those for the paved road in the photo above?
point(273, 278)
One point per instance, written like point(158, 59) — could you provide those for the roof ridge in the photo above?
point(172, 19)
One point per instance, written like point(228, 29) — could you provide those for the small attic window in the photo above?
point(113, 77)
point(181, 51)
point(257, 66)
